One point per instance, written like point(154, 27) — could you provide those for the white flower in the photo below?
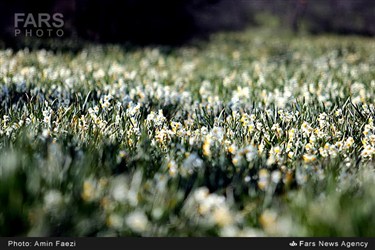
point(137, 221)
point(276, 176)
point(46, 133)
point(193, 161)
point(52, 199)
point(120, 189)
point(217, 133)
point(115, 221)
point(250, 152)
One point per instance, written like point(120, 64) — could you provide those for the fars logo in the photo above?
point(293, 244)
point(39, 25)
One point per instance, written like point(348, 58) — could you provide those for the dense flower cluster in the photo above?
point(190, 142)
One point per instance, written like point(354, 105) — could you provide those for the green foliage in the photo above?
point(253, 134)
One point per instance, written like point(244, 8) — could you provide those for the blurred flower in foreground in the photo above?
point(137, 221)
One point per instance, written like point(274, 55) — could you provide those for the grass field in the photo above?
point(250, 134)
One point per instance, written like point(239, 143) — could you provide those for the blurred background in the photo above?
point(177, 22)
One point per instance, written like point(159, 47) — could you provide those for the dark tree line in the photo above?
point(175, 22)
point(319, 16)
point(137, 21)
